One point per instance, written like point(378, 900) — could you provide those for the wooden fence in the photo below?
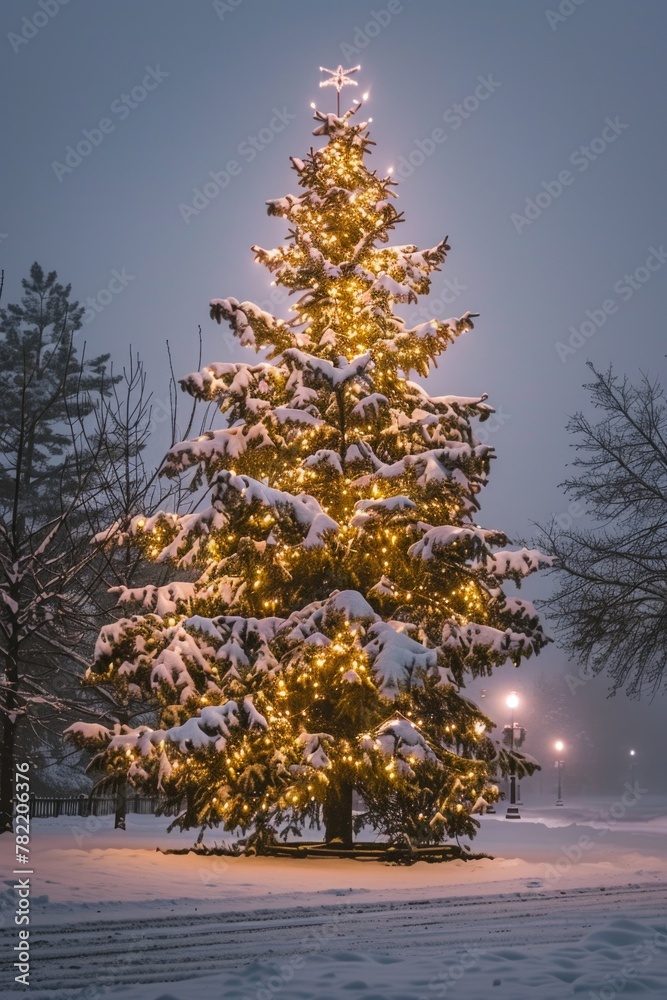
point(84, 805)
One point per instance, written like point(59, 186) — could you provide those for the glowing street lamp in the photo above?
point(559, 747)
point(512, 702)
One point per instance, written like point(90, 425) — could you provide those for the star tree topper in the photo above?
point(339, 78)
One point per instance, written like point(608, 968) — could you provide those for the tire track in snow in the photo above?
point(168, 948)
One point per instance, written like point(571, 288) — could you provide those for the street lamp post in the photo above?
point(479, 729)
point(633, 761)
point(512, 809)
point(560, 746)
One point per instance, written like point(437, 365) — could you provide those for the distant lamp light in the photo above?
point(560, 746)
point(390, 170)
point(364, 97)
point(633, 764)
point(512, 700)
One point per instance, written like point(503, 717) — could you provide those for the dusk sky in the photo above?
point(546, 168)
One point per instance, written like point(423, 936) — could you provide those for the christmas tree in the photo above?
point(336, 590)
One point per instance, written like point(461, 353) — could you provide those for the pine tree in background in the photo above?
point(72, 437)
point(338, 589)
point(48, 476)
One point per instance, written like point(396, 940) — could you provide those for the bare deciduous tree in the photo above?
point(72, 437)
point(610, 605)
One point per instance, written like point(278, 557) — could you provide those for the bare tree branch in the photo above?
point(610, 606)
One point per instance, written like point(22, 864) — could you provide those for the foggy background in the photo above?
point(232, 80)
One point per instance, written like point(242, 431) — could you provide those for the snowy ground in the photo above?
point(574, 903)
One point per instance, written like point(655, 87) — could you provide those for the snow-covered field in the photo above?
point(574, 903)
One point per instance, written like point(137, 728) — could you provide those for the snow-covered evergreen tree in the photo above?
point(337, 590)
point(48, 478)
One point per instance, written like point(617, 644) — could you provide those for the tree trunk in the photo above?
point(121, 807)
point(7, 774)
point(338, 813)
point(9, 725)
